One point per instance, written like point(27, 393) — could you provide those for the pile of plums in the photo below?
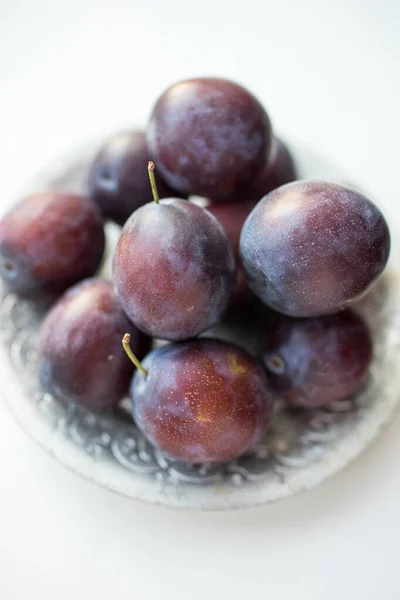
point(305, 249)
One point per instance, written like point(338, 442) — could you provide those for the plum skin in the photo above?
point(173, 269)
point(209, 137)
point(311, 248)
point(118, 180)
point(231, 217)
point(313, 362)
point(279, 170)
point(202, 401)
point(80, 356)
point(48, 242)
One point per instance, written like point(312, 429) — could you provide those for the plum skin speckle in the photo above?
point(311, 248)
point(174, 269)
point(203, 401)
point(48, 242)
point(313, 362)
point(80, 355)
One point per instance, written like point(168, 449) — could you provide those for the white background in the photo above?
point(328, 71)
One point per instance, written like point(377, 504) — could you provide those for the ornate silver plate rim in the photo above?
point(300, 453)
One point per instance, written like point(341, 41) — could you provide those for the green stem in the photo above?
point(126, 344)
point(153, 184)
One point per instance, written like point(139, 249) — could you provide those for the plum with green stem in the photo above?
point(174, 268)
point(201, 401)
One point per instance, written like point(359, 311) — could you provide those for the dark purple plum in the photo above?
point(209, 137)
point(311, 248)
point(48, 242)
point(201, 401)
point(232, 216)
point(313, 362)
point(118, 180)
point(80, 354)
point(174, 269)
point(280, 170)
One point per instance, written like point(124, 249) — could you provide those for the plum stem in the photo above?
point(126, 344)
point(151, 167)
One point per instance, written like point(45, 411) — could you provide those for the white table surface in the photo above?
point(328, 71)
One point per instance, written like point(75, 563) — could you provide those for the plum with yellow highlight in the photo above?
point(201, 401)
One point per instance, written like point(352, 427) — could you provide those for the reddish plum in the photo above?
point(209, 137)
point(118, 180)
point(232, 216)
point(80, 354)
point(174, 269)
point(201, 401)
point(49, 242)
point(311, 247)
point(312, 362)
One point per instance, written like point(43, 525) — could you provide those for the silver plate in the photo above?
point(301, 450)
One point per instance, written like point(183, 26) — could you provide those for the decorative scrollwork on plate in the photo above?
point(297, 439)
point(299, 443)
